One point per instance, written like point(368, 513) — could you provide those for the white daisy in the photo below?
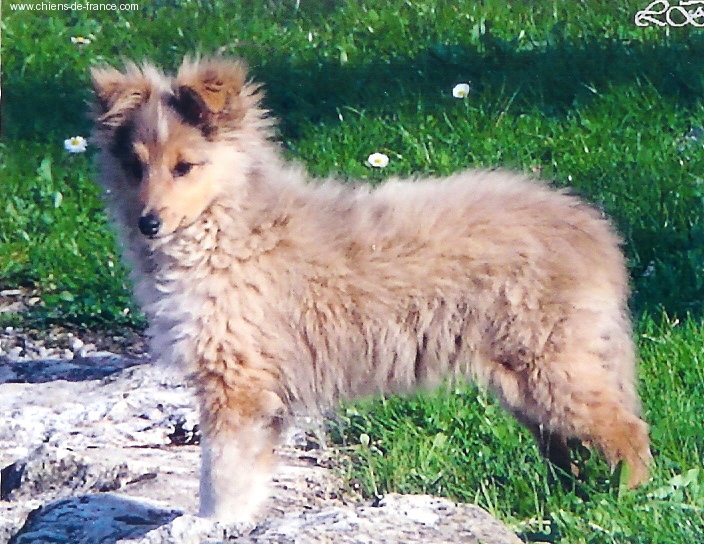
point(77, 144)
point(378, 160)
point(461, 90)
point(80, 40)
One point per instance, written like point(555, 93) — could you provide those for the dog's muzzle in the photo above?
point(149, 224)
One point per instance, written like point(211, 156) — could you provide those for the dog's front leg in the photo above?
point(237, 451)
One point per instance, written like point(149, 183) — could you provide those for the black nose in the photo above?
point(149, 224)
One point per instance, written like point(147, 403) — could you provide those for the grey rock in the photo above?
point(53, 472)
point(15, 353)
point(76, 344)
point(103, 449)
point(189, 529)
point(396, 518)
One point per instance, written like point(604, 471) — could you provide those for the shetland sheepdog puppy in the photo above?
point(277, 292)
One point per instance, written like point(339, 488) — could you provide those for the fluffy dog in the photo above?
point(275, 291)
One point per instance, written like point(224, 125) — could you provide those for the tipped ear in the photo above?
point(118, 93)
point(213, 94)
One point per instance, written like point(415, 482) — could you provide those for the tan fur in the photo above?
point(275, 291)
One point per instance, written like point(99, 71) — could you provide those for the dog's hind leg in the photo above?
point(586, 387)
point(552, 446)
point(579, 391)
point(237, 459)
point(600, 419)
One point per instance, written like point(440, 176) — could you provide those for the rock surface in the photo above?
point(97, 447)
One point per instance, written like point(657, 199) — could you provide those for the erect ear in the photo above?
point(118, 93)
point(213, 94)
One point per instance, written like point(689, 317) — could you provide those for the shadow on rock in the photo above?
point(74, 370)
point(94, 519)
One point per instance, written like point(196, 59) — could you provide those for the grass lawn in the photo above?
point(572, 90)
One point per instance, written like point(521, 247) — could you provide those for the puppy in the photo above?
point(274, 291)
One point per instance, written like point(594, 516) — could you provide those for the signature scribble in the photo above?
point(661, 13)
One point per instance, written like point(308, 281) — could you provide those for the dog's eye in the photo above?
point(133, 167)
point(182, 168)
point(136, 169)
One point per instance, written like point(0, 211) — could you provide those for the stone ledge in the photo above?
point(73, 429)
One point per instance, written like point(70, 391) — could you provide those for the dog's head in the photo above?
point(173, 145)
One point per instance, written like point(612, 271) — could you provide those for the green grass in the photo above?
point(571, 89)
point(460, 443)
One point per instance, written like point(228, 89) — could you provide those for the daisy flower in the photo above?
point(378, 160)
point(80, 40)
point(461, 90)
point(77, 144)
